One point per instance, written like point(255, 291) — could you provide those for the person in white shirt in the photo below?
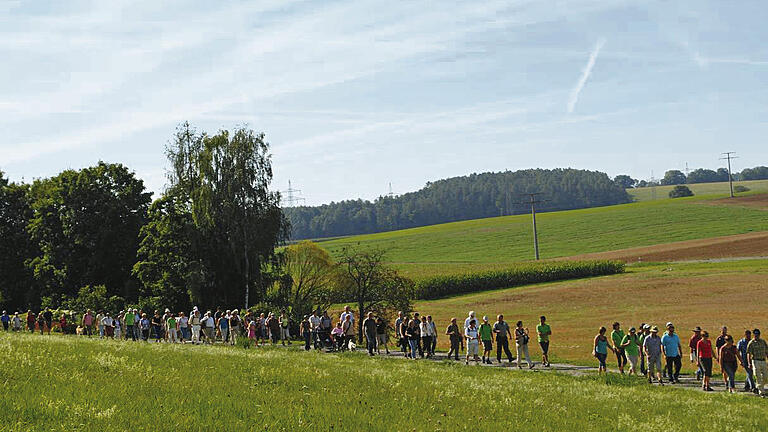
point(469, 318)
point(183, 327)
point(99, 319)
point(106, 326)
point(473, 344)
point(118, 325)
point(314, 326)
point(16, 322)
point(194, 321)
point(427, 333)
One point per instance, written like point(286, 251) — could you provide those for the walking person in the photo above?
point(6, 319)
point(337, 337)
point(695, 338)
point(412, 333)
point(729, 363)
point(253, 328)
point(194, 322)
point(382, 336)
point(417, 320)
point(184, 328)
point(401, 341)
point(756, 352)
point(433, 345)
point(223, 326)
point(652, 351)
point(234, 326)
point(486, 336)
point(48, 318)
point(348, 326)
point(454, 335)
point(145, 325)
point(31, 319)
point(369, 327)
point(544, 331)
point(600, 349)
point(209, 328)
point(749, 383)
point(630, 345)
point(41, 322)
point(314, 325)
point(157, 326)
point(645, 331)
point(471, 334)
point(285, 334)
point(521, 343)
point(88, 323)
point(720, 341)
point(130, 322)
point(617, 335)
point(306, 332)
point(275, 330)
point(705, 353)
point(670, 344)
point(63, 324)
point(99, 323)
point(503, 334)
point(171, 328)
point(16, 322)
point(425, 329)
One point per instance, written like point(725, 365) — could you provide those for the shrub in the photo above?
point(740, 188)
point(524, 274)
point(680, 191)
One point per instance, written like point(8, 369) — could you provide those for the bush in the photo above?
point(524, 274)
point(680, 191)
point(740, 189)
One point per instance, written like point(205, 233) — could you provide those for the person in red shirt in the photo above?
point(729, 362)
point(704, 351)
point(695, 338)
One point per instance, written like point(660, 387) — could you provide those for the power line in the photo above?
point(730, 176)
point(293, 196)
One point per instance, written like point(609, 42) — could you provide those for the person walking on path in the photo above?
point(486, 336)
point(433, 345)
point(223, 326)
point(145, 324)
point(617, 335)
point(729, 363)
point(41, 322)
point(749, 383)
point(705, 353)
point(31, 321)
point(130, 322)
point(184, 328)
point(720, 341)
point(306, 332)
point(425, 328)
point(652, 351)
point(670, 343)
point(48, 317)
point(645, 331)
point(404, 324)
point(401, 340)
point(630, 344)
point(695, 338)
point(285, 334)
point(234, 326)
point(6, 319)
point(16, 322)
point(503, 335)
point(314, 325)
point(600, 349)
point(88, 323)
point(157, 326)
point(544, 331)
point(369, 327)
point(194, 322)
point(454, 335)
point(756, 352)
point(412, 334)
point(382, 335)
point(471, 334)
point(348, 326)
point(171, 325)
point(417, 320)
point(521, 344)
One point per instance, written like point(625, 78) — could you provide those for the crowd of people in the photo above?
point(638, 352)
point(642, 353)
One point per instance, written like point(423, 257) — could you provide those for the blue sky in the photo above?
point(355, 95)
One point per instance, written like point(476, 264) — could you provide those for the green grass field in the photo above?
point(490, 243)
point(66, 383)
point(662, 192)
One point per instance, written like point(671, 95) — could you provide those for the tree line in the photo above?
point(699, 175)
point(458, 198)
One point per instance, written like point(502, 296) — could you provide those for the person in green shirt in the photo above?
point(130, 321)
point(544, 331)
point(617, 335)
point(170, 324)
point(631, 345)
point(486, 335)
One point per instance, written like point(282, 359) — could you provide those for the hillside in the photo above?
point(491, 242)
point(458, 198)
point(662, 192)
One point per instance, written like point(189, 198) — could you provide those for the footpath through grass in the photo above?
point(490, 243)
point(65, 383)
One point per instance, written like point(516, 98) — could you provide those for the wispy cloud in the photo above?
point(585, 73)
point(704, 61)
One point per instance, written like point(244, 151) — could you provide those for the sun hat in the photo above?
point(654, 329)
point(646, 326)
point(631, 329)
point(697, 329)
point(669, 324)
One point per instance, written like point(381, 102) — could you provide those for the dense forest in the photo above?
point(459, 198)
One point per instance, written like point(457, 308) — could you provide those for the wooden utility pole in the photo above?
point(730, 176)
point(532, 201)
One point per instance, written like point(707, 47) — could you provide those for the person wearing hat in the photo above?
point(6, 319)
point(756, 352)
point(234, 326)
point(695, 338)
point(16, 321)
point(652, 350)
point(630, 344)
point(645, 331)
point(670, 344)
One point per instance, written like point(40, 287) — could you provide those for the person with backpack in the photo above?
point(729, 363)
point(31, 319)
point(471, 334)
point(692, 342)
point(486, 336)
point(631, 346)
point(348, 325)
point(757, 351)
point(521, 343)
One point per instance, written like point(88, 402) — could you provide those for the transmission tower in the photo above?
point(390, 194)
point(292, 197)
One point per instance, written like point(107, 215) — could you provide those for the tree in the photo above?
point(722, 175)
point(225, 179)
point(85, 225)
point(673, 177)
point(16, 288)
point(702, 175)
point(373, 286)
point(680, 191)
point(310, 272)
point(756, 173)
point(625, 181)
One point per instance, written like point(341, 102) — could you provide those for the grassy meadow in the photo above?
point(491, 243)
point(720, 188)
point(66, 383)
point(688, 294)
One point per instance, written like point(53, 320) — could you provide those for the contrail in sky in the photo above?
point(584, 75)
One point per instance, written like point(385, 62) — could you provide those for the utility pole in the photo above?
point(730, 176)
point(532, 201)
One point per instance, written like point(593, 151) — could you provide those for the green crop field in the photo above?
point(662, 192)
point(490, 243)
point(65, 383)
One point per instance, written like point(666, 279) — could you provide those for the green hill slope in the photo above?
point(491, 242)
point(662, 192)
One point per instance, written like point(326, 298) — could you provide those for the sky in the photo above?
point(355, 95)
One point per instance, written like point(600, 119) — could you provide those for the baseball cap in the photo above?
point(632, 329)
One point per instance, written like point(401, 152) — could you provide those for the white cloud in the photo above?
point(585, 73)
